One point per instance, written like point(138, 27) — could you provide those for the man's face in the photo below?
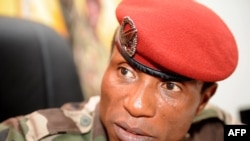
point(136, 106)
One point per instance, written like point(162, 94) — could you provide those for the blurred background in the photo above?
point(88, 26)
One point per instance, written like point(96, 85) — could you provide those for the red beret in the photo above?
point(176, 38)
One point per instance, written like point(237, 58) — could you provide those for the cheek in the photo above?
point(109, 88)
point(110, 104)
point(190, 103)
point(188, 107)
point(105, 94)
point(110, 95)
point(176, 118)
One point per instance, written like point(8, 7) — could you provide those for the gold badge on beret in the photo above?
point(128, 36)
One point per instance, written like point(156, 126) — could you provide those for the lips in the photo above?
point(127, 133)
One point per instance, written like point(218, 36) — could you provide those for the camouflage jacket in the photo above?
point(80, 122)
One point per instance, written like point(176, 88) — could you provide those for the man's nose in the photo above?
point(140, 100)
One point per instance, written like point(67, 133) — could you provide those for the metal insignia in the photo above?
point(128, 36)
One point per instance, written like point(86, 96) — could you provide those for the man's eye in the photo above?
point(171, 86)
point(126, 72)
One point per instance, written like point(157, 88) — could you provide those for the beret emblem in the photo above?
point(128, 36)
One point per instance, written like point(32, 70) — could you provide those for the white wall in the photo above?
point(233, 93)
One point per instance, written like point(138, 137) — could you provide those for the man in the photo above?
point(166, 59)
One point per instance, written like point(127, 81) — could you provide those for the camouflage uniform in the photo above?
point(80, 122)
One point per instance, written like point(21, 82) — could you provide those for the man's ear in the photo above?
point(206, 94)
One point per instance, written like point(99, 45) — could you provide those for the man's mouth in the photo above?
point(126, 133)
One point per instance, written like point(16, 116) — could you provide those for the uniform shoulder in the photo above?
point(76, 118)
point(209, 124)
point(214, 111)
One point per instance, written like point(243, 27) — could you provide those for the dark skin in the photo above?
point(136, 106)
